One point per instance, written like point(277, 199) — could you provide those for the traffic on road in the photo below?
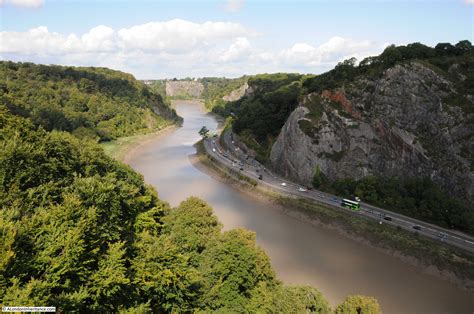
point(233, 158)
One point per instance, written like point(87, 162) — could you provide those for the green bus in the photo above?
point(350, 204)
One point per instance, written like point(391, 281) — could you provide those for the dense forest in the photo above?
point(95, 103)
point(82, 232)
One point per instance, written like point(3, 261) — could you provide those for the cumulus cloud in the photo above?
point(176, 36)
point(233, 5)
point(239, 49)
point(23, 3)
point(334, 50)
point(179, 48)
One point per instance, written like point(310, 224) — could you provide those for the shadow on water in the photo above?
point(301, 253)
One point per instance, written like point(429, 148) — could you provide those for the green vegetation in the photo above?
point(93, 103)
point(203, 132)
point(82, 232)
point(217, 87)
point(414, 197)
point(358, 304)
point(260, 117)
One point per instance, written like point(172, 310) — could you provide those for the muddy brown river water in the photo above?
point(301, 253)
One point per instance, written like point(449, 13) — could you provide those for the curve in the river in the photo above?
point(301, 253)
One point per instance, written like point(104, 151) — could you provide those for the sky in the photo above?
point(196, 38)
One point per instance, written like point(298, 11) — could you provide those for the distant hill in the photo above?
point(96, 103)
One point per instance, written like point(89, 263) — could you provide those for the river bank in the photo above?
point(433, 258)
point(124, 148)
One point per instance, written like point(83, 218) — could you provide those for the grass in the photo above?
point(118, 148)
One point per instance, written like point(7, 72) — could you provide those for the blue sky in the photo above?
point(158, 39)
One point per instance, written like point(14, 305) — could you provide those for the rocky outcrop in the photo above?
point(236, 94)
point(185, 89)
point(395, 125)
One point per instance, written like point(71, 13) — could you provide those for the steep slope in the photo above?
point(89, 102)
point(395, 125)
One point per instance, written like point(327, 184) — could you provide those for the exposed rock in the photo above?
point(189, 89)
point(396, 125)
point(236, 94)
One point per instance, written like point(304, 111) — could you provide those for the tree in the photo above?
point(204, 132)
point(359, 304)
point(318, 177)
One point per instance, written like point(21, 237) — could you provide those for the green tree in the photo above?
point(319, 178)
point(358, 304)
point(204, 132)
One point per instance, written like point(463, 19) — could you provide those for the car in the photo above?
point(283, 184)
point(321, 195)
point(302, 189)
point(214, 150)
point(416, 227)
point(241, 169)
point(335, 200)
point(260, 177)
point(357, 199)
point(388, 218)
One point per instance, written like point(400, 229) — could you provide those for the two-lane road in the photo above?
point(234, 159)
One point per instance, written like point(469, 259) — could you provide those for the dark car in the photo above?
point(241, 168)
point(416, 227)
point(388, 218)
point(260, 177)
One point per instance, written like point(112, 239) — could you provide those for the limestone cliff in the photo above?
point(237, 93)
point(399, 124)
point(184, 89)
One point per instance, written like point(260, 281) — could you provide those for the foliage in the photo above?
point(82, 232)
point(419, 198)
point(319, 178)
point(94, 103)
point(262, 114)
point(204, 132)
point(358, 304)
point(217, 87)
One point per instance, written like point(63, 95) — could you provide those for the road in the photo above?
point(235, 159)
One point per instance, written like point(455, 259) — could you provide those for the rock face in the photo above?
point(187, 89)
point(236, 94)
point(396, 125)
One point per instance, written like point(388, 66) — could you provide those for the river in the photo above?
point(301, 253)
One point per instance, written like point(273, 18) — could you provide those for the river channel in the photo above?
point(301, 253)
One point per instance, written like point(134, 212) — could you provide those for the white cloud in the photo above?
point(239, 49)
point(330, 52)
point(178, 35)
point(24, 3)
point(178, 48)
point(469, 1)
point(234, 5)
